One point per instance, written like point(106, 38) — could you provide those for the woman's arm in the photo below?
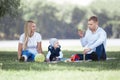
point(39, 47)
point(19, 50)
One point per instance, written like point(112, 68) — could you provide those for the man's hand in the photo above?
point(80, 33)
point(86, 50)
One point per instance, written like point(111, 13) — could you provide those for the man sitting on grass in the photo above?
point(94, 41)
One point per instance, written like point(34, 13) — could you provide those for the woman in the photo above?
point(29, 42)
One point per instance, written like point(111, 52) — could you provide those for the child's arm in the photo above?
point(48, 56)
point(61, 55)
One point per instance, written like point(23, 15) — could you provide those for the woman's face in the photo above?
point(33, 27)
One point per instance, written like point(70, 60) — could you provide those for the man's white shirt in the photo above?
point(92, 40)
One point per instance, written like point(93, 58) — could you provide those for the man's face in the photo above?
point(92, 25)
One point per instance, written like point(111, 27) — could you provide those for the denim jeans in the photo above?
point(30, 56)
point(99, 54)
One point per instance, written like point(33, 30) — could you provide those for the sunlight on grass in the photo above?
point(60, 75)
point(113, 48)
point(11, 69)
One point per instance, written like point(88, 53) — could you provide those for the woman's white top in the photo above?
point(32, 42)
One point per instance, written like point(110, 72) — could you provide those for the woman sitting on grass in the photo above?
point(29, 43)
point(54, 51)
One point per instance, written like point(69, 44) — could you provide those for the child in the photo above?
point(54, 51)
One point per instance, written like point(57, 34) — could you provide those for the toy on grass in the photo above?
point(75, 57)
point(39, 58)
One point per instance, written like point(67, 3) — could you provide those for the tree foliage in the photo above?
point(57, 20)
point(9, 7)
point(108, 14)
point(9, 18)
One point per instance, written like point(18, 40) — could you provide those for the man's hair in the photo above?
point(94, 18)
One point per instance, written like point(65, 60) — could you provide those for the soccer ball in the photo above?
point(39, 58)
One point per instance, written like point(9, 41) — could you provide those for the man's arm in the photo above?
point(100, 40)
point(83, 38)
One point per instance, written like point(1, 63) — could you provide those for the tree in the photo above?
point(108, 14)
point(9, 7)
point(10, 16)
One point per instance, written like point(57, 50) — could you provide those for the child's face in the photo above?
point(56, 44)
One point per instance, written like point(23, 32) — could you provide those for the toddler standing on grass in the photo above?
point(54, 51)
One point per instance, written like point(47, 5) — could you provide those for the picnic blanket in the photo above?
point(69, 60)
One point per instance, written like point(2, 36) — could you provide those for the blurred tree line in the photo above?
point(57, 20)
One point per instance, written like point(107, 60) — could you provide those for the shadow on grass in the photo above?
point(8, 61)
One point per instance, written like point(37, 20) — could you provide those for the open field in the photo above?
point(11, 69)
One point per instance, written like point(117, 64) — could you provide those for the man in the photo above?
point(94, 40)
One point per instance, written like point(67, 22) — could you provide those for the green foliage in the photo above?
point(10, 17)
point(9, 7)
point(61, 19)
point(50, 15)
point(57, 20)
point(107, 12)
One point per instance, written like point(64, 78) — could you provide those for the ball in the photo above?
point(39, 58)
point(80, 27)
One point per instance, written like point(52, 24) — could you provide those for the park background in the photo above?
point(60, 19)
point(56, 18)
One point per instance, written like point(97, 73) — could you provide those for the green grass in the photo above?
point(11, 69)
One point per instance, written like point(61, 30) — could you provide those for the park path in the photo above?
point(65, 42)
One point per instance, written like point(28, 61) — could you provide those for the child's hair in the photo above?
point(27, 32)
point(52, 41)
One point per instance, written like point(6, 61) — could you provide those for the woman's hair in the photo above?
point(27, 32)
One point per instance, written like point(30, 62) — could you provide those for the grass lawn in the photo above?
point(11, 69)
